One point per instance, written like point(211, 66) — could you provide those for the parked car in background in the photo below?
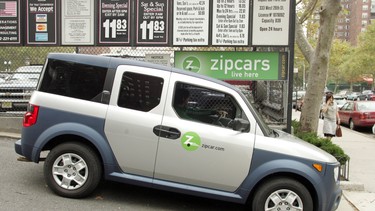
point(358, 114)
point(343, 93)
point(369, 94)
point(16, 90)
point(356, 96)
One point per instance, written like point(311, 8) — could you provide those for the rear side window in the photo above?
point(140, 92)
point(73, 80)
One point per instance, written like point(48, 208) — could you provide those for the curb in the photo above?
point(10, 135)
point(352, 186)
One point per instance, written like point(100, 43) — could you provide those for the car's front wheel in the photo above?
point(351, 125)
point(72, 170)
point(282, 194)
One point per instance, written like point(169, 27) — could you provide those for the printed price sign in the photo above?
point(230, 23)
point(114, 22)
point(190, 22)
point(152, 22)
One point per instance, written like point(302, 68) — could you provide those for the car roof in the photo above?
point(29, 69)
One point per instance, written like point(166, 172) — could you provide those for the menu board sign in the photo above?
point(190, 22)
point(10, 22)
point(271, 22)
point(230, 22)
point(77, 22)
point(152, 22)
point(114, 22)
point(41, 22)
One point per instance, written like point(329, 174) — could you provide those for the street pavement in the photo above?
point(359, 191)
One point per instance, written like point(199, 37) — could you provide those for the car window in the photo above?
point(365, 106)
point(346, 106)
point(140, 92)
point(205, 105)
point(79, 81)
point(350, 106)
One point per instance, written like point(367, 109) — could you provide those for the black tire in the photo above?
point(80, 182)
point(351, 125)
point(281, 187)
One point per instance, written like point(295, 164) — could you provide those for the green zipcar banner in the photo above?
point(234, 65)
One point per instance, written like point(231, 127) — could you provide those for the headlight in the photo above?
point(336, 173)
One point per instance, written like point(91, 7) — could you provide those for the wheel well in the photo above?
point(297, 177)
point(71, 138)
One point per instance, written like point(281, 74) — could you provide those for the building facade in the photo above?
point(354, 18)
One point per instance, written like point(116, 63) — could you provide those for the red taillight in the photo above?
point(31, 116)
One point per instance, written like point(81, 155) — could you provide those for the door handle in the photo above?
point(166, 132)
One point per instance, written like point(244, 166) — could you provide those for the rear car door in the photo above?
point(136, 106)
point(205, 151)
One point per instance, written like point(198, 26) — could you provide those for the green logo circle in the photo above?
point(191, 63)
point(191, 141)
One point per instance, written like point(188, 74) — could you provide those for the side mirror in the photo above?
point(240, 125)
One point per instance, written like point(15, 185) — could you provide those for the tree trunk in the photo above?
point(319, 66)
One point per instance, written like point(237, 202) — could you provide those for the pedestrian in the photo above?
point(331, 117)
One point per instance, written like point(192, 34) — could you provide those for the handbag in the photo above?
point(338, 131)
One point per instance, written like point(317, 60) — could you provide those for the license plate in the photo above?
point(6, 105)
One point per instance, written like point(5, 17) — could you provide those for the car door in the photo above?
point(136, 106)
point(345, 112)
point(197, 152)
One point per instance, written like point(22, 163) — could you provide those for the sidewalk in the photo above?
point(360, 189)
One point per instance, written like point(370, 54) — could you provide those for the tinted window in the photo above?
point(205, 105)
point(140, 92)
point(73, 80)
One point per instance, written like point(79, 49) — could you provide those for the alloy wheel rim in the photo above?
point(70, 171)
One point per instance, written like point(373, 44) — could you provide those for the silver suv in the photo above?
point(160, 127)
point(16, 90)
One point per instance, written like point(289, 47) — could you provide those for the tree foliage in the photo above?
point(361, 61)
point(340, 52)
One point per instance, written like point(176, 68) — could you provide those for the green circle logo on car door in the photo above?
point(191, 141)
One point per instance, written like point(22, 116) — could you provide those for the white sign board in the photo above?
point(271, 22)
point(77, 22)
point(230, 22)
point(190, 22)
point(162, 59)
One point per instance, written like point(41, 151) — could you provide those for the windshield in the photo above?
point(262, 124)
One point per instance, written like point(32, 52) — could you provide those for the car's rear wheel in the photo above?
point(72, 170)
point(351, 125)
point(282, 194)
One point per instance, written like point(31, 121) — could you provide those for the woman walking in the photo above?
point(331, 117)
